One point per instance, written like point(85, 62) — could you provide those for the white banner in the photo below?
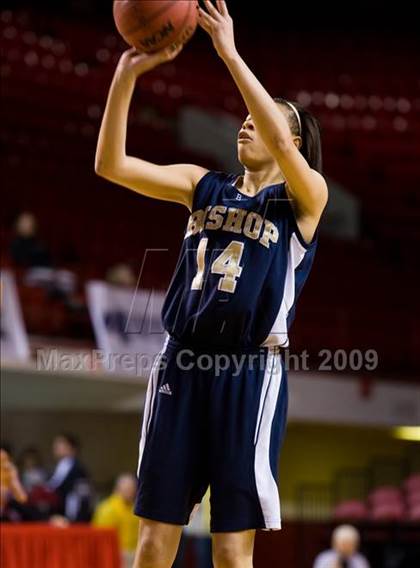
point(127, 325)
point(14, 340)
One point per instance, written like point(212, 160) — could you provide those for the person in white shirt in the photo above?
point(343, 554)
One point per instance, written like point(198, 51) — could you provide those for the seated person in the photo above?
point(343, 553)
point(117, 511)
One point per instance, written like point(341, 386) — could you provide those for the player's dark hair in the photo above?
point(311, 147)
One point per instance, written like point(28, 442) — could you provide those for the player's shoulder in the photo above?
point(197, 173)
point(214, 177)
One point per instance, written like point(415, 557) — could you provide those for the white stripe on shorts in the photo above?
point(267, 490)
point(150, 399)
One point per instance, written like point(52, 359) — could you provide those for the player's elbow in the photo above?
point(99, 166)
point(102, 169)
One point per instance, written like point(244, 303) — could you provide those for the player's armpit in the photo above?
point(175, 182)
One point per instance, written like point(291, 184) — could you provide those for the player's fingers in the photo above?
point(137, 58)
point(205, 27)
point(172, 51)
point(204, 17)
point(205, 20)
point(214, 12)
point(222, 7)
point(160, 55)
point(132, 53)
point(166, 54)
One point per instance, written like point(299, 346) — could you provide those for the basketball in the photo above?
point(152, 25)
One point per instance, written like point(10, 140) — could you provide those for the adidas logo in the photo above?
point(165, 389)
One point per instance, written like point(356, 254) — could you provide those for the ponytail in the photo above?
point(308, 129)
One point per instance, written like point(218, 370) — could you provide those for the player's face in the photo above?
point(252, 152)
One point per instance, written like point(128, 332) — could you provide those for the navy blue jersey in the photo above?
point(242, 266)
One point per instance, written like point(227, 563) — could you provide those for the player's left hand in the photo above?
point(217, 22)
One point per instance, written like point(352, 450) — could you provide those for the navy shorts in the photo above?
point(213, 419)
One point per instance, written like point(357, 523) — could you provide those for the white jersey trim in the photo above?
point(279, 333)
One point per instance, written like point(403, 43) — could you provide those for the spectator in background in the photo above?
point(12, 495)
point(41, 499)
point(26, 249)
point(121, 275)
point(70, 480)
point(345, 544)
point(31, 469)
point(117, 511)
point(10, 485)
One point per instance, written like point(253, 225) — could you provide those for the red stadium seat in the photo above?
point(412, 483)
point(351, 510)
point(388, 512)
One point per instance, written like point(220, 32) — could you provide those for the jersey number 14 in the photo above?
point(226, 264)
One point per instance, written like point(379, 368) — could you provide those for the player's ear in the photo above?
point(297, 140)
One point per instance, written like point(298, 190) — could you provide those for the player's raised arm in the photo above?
point(170, 183)
point(307, 187)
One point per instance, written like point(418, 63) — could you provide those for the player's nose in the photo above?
point(248, 124)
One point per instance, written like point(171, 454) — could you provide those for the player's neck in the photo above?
point(254, 181)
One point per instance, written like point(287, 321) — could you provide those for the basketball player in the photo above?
point(247, 251)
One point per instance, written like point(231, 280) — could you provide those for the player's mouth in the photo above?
point(243, 137)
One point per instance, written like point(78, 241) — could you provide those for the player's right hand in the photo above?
point(133, 63)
